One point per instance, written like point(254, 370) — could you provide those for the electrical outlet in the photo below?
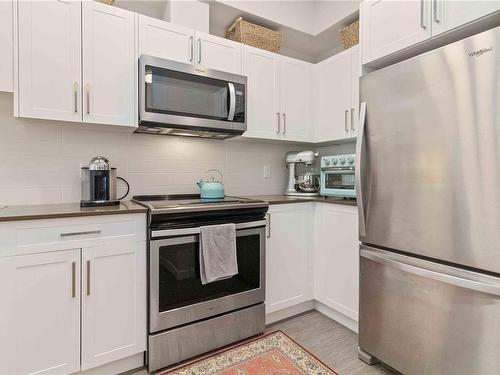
point(267, 171)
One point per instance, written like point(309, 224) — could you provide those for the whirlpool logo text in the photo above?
point(480, 52)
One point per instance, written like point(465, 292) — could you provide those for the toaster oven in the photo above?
point(337, 176)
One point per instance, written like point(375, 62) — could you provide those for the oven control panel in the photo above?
point(343, 160)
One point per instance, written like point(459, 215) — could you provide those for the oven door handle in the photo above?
point(196, 230)
point(338, 169)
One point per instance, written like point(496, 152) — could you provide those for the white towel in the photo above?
point(217, 252)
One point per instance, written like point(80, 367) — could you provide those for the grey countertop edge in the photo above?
point(65, 210)
point(286, 199)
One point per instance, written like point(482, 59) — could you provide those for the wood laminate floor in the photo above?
point(328, 340)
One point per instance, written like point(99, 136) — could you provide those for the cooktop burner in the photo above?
point(193, 203)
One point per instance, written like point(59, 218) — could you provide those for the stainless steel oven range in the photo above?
point(187, 318)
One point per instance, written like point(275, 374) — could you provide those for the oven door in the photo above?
point(339, 181)
point(190, 96)
point(177, 295)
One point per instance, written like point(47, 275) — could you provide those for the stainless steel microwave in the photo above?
point(185, 99)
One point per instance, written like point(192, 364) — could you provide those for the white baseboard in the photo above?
point(337, 316)
point(117, 367)
point(289, 312)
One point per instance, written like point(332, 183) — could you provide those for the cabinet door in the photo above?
point(50, 60)
point(6, 46)
point(289, 248)
point(113, 302)
point(40, 328)
point(337, 258)
point(333, 97)
point(166, 40)
point(109, 64)
point(295, 99)
point(261, 69)
point(218, 53)
point(447, 15)
point(388, 26)
point(355, 74)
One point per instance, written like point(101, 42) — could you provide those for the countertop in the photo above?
point(51, 211)
point(283, 199)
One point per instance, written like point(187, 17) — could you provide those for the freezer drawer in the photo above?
point(422, 317)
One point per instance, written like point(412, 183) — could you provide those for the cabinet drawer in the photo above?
point(33, 236)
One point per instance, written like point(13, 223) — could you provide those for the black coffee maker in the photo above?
point(98, 182)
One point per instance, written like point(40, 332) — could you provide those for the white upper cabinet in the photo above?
point(109, 64)
point(295, 99)
point(6, 46)
point(261, 69)
point(218, 53)
point(40, 319)
point(166, 40)
point(388, 26)
point(289, 249)
point(113, 287)
point(449, 14)
point(50, 60)
point(336, 98)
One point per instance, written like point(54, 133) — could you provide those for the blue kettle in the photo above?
point(213, 188)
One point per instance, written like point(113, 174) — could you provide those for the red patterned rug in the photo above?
point(271, 354)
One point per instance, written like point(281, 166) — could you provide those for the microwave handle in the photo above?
point(232, 101)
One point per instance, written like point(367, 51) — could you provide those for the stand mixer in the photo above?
point(307, 183)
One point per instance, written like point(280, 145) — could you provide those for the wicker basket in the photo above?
point(108, 2)
point(350, 35)
point(254, 35)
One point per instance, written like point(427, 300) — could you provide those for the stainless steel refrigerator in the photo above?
point(428, 180)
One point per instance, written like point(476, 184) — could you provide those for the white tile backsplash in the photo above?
point(40, 160)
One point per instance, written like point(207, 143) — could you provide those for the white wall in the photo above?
point(296, 14)
point(308, 16)
point(188, 13)
point(40, 160)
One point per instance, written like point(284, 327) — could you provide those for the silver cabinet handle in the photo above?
point(75, 95)
point(346, 114)
point(352, 120)
point(422, 16)
point(268, 235)
point(191, 48)
point(199, 51)
point(279, 122)
point(88, 277)
point(436, 16)
point(357, 170)
point(284, 123)
point(87, 91)
point(73, 279)
point(442, 273)
point(80, 233)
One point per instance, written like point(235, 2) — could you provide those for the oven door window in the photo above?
point(179, 272)
point(341, 180)
point(182, 94)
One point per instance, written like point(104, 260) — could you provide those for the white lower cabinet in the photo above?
point(112, 289)
point(336, 261)
point(289, 247)
point(75, 301)
point(312, 254)
point(40, 314)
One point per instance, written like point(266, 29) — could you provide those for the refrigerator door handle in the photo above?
point(446, 274)
point(359, 156)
